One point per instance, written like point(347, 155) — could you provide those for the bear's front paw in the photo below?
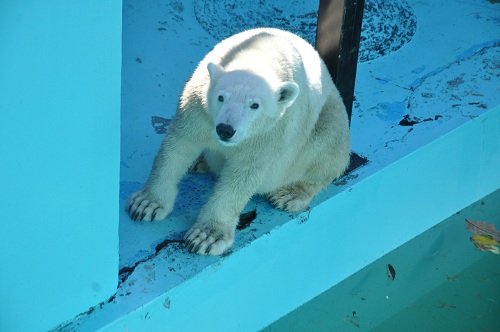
point(207, 238)
point(144, 206)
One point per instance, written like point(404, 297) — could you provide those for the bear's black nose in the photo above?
point(225, 131)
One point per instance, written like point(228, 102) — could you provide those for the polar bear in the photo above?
point(262, 113)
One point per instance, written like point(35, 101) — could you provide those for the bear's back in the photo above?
point(266, 50)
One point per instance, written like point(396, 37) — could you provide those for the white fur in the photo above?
point(289, 147)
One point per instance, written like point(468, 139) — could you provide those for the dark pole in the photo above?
point(337, 41)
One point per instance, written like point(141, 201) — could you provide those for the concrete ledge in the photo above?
point(295, 262)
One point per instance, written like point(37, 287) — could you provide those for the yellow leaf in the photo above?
point(484, 240)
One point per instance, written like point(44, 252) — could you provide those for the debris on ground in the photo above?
point(486, 237)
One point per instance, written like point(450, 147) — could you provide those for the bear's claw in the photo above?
point(140, 208)
point(208, 240)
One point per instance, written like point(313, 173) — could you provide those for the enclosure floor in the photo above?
point(442, 283)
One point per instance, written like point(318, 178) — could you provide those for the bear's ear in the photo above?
point(287, 93)
point(215, 70)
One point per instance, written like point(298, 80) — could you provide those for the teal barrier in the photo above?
point(60, 78)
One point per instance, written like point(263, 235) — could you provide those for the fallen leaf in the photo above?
point(484, 240)
point(486, 237)
point(486, 247)
point(483, 228)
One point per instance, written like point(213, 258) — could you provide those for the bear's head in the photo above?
point(243, 104)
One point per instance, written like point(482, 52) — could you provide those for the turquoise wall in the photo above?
point(60, 65)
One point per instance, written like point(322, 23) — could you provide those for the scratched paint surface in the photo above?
point(418, 78)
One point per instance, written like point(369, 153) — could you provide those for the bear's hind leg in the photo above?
point(294, 197)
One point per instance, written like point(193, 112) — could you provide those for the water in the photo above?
point(442, 283)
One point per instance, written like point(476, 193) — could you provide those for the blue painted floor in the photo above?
point(421, 74)
point(442, 283)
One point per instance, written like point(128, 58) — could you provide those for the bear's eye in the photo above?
point(254, 106)
point(220, 98)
